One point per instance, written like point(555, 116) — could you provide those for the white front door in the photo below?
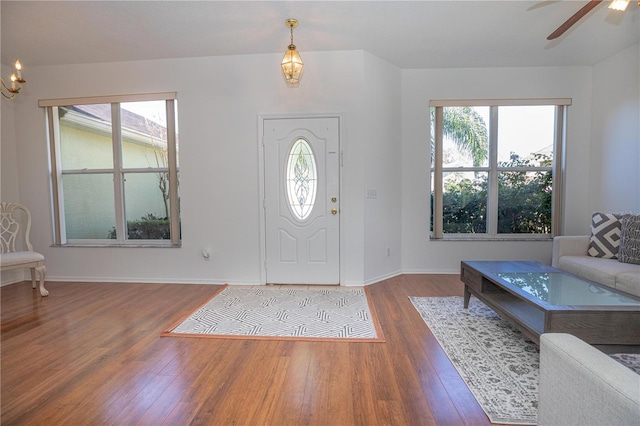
point(302, 200)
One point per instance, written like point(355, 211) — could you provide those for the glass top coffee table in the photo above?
point(537, 299)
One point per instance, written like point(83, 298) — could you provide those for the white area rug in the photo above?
point(284, 312)
point(500, 368)
point(497, 364)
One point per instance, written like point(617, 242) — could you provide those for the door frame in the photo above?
point(261, 190)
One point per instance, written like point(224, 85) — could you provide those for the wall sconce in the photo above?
point(16, 82)
point(292, 65)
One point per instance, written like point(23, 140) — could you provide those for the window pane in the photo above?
point(89, 206)
point(432, 202)
point(465, 138)
point(464, 203)
point(138, 161)
point(524, 202)
point(301, 179)
point(522, 140)
point(144, 134)
point(525, 133)
point(147, 206)
point(85, 137)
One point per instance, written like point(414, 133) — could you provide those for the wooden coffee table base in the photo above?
point(609, 327)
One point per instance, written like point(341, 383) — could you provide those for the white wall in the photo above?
point(9, 183)
point(219, 100)
point(382, 170)
point(418, 88)
point(616, 133)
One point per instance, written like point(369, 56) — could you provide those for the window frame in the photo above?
point(117, 171)
point(557, 169)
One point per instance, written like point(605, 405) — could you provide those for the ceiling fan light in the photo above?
point(620, 5)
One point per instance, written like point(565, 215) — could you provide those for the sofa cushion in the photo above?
point(605, 235)
point(629, 250)
point(600, 270)
point(629, 282)
point(580, 385)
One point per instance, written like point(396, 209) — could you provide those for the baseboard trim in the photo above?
point(138, 280)
point(382, 278)
point(431, 271)
point(157, 280)
point(13, 276)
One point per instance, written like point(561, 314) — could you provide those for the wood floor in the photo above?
point(90, 354)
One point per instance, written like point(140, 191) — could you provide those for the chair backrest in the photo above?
point(10, 226)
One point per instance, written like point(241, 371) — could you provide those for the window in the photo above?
point(301, 179)
point(114, 170)
point(496, 168)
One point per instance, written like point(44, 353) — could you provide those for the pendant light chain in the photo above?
point(291, 27)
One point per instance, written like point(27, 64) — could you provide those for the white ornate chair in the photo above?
point(23, 256)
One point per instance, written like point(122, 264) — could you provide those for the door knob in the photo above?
point(334, 211)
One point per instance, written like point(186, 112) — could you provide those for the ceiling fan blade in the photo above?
point(575, 18)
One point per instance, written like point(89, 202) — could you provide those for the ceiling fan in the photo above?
point(615, 4)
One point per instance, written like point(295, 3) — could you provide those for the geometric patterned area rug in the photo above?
point(284, 313)
point(497, 364)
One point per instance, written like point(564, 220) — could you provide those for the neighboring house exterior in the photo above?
point(86, 146)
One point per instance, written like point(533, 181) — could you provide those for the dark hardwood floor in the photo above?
point(91, 354)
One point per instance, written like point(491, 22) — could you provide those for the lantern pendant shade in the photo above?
point(292, 65)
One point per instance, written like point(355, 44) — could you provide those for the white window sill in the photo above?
point(476, 237)
point(120, 245)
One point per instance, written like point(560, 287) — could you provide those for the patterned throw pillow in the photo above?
point(605, 235)
point(629, 250)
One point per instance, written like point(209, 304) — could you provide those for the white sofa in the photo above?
point(579, 385)
point(570, 255)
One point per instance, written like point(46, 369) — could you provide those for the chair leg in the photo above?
point(42, 271)
point(33, 277)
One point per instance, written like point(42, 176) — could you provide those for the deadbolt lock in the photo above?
point(334, 200)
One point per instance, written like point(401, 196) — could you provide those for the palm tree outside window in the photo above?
point(496, 168)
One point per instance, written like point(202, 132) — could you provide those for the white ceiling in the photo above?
point(409, 34)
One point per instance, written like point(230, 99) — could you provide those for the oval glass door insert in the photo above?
point(301, 179)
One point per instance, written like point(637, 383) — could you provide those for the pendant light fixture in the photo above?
point(292, 65)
